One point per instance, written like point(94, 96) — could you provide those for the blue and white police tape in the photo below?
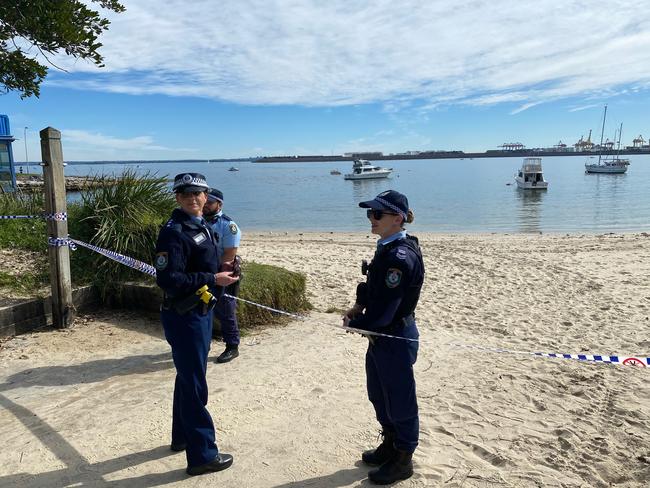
point(61, 241)
point(120, 258)
point(58, 216)
point(115, 256)
point(642, 360)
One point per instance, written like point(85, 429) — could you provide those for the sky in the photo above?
point(242, 78)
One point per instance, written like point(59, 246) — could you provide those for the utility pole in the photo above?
point(26, 157)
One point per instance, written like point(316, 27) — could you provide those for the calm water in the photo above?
point(447, 195)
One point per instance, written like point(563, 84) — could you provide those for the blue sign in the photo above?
point(7, 169)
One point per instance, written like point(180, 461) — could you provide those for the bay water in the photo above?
point(447, 195)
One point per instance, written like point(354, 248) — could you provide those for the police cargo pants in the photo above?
point(391, 385)
point(226, 312)
point(189, 336)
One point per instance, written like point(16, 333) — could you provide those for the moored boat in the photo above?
point(364, 170)
point(609, 164)
point(530, 176)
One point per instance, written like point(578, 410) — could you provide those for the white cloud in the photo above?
point(97, 140)
point(344, 52)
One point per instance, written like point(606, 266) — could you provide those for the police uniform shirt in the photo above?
point(186, 255)
point(227, 230)
point(393, 286)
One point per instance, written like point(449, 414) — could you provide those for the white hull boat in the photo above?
point(530, 176)
point(363, 170)
point(612, 164)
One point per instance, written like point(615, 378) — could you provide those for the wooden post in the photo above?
point(55, 202)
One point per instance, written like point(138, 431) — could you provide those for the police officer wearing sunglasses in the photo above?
point(187, 266)
point(385, 303)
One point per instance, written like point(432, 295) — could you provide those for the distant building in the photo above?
point(512, 146)
point(363, 155)
point(7, 169)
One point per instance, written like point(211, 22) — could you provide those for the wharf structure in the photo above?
point(498, 153)
point(583, 147)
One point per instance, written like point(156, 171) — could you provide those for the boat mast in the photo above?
point(602, 132)
point(618, 146)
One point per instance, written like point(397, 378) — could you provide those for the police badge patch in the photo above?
point(233, 228)
point(161, 261)
point(393, 277)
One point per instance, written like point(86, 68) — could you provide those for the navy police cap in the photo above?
point(188, 182)
point(215, 195)
point(390, 200)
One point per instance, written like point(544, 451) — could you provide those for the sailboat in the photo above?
point(609, 164)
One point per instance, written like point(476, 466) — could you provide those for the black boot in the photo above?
point(221, 462)
point(400, 467)
point(385, 451)
point(229, 354)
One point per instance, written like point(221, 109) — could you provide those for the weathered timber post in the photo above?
point(55, 202)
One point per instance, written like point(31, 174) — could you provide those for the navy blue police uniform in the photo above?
point(186, 260)
point(389, 298)
point(229, 235)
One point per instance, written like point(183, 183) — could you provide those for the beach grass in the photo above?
point(26, 234)
point(271, 286)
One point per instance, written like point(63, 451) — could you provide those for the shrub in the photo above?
point(126, 218)
point(271, 286)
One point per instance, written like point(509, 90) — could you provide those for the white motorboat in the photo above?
point(233, 168)
point(609, 164)
point(363, 170)
point(530, 176)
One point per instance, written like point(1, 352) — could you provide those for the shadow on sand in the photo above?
point(78, 471)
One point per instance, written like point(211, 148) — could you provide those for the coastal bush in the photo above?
point(271, 286)
point(126, 218)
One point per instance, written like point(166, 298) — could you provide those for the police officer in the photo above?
point(385, 303)
point(187, 268)
point(229, 236)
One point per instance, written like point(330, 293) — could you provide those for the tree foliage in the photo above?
point(29, 28)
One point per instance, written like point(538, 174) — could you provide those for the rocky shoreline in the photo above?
point(34, 183)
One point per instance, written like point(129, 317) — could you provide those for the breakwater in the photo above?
point(34, 183)
point(444, 155)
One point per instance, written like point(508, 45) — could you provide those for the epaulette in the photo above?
point(172, 224)
point(225, 217)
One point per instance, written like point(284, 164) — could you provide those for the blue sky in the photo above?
point(251, 77)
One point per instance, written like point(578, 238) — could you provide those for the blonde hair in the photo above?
point(410, 217)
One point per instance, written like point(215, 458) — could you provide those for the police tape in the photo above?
point(58, 216)
point(115, 256)
point(642, 360)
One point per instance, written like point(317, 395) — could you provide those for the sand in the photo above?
point(91, 406)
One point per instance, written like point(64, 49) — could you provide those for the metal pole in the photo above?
point(26, 157)
point(55, 202)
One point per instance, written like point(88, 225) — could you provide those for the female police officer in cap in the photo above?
point(187, 270)
point(385, 303)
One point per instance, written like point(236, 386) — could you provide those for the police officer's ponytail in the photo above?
point(410, 217)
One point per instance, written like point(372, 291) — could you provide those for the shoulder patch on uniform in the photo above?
point(400, 253)
point(233, 228)
point(393, 277)
point(161, 261)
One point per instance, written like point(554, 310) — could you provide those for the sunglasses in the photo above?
point(189, 194)
point(377, 214)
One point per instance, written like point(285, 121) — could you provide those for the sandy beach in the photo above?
point(91, 406)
